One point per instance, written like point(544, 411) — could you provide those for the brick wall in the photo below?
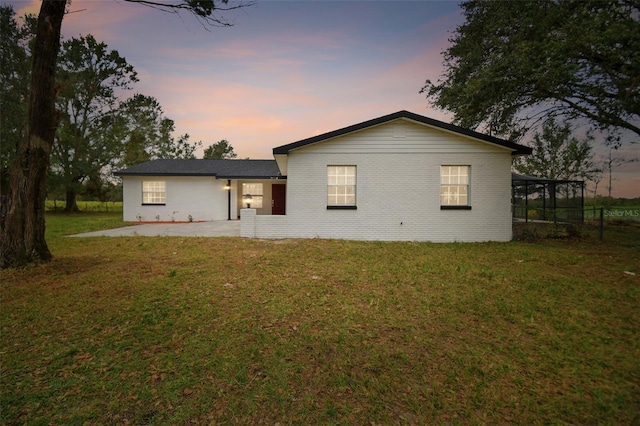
point(398, 189)
point(195, 197)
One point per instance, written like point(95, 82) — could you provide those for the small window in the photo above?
point(252, 192)
point(341, 186)
point(154, 192)
point(454, 186)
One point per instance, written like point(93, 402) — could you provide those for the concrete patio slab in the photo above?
point(217, 228)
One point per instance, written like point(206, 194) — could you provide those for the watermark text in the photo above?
point(622, 213)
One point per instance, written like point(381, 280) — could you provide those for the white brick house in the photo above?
point(401, 177)
point(199, 190)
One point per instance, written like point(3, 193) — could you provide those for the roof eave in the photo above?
point(525, 150)
point(236, 177)
point(251, 177)
point(164, 174)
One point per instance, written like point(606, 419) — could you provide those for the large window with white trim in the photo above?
point(252, 192)
point(154, 192)
point(341, 186)
point(454, 186)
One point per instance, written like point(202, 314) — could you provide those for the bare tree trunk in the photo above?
point(71, 203)
point(610, 167)
point(23, 239)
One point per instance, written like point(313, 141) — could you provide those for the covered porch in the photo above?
point(549, 200)
point(265, 196)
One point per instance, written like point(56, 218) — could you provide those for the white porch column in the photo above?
point(248, 223)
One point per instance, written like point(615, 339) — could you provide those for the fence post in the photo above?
point(601, 223)
point(526, 201)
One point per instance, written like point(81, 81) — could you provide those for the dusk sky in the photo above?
point(286, 70)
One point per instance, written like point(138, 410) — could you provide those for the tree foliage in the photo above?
point(557, 154)
point(97, 131)
point(89, 77)
point(147, 134)
point(23, 240)
point(100, 131)
point(219, 150)
point(514, 63)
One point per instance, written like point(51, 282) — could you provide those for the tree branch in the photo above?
point(612, 120)
point(203, 10)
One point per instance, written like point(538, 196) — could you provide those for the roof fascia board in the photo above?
point(251, 177)
point(143, 174)
point(147, 174)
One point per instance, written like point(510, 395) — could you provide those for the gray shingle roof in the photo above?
point(222, 169)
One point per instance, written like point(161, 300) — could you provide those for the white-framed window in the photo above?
point(254, 190)
point(454, 185)
point(341, 186)
point(154, 192)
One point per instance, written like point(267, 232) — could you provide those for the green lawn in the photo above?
point(234, 331)
point(62, 224)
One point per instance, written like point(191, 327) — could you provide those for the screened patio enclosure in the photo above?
point(549, 200)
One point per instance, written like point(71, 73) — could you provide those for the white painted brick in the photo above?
point(398, 189)
point(198, 197)
point(248, 223)
point(271, 226)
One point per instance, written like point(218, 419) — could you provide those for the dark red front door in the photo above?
point(278, 199)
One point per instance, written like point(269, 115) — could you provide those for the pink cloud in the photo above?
point(254, 118)
point(103, 19)
point(28, 7)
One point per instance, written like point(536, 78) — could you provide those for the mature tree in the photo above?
point(513, 63)
point(557, 154)
point(147, 134)
point(134, 132)
point(90, 76)
point(219, 150)
point(23, 239)
point(14, 90)
point(139, 121)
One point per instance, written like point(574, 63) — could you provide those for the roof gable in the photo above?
point(516, 148)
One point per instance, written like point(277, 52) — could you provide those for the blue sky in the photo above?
point(286, 70)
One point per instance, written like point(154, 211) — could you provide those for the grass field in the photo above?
point(234, 331)
point(86, 206)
